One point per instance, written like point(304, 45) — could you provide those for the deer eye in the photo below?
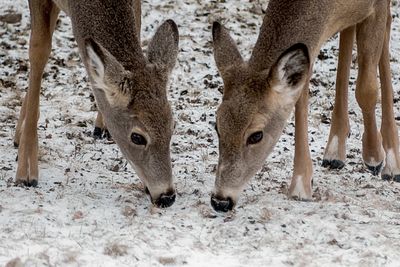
point(255, 138)
point(138, 139)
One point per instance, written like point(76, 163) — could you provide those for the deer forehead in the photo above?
point(147, 78)
point(235, 116)
point(243, 78)
point(149, 111)
point(155, 116)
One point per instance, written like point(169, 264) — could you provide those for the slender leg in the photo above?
point(20, 123)
point(300, 186)
point(43, 19)
point(370, 35)
point(389, 131)
point(335, 151)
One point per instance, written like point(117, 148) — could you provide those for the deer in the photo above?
point(260, 94)
point(130, 88)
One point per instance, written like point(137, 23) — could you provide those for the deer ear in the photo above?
point(226, 52)
point(290, 73)
point(107, 74)
point(163, 48)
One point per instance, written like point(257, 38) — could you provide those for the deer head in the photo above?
point(135, 107)
point(255, 107)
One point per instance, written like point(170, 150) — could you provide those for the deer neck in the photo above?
point(284, 25)
point(309, 22)
point(97, 19)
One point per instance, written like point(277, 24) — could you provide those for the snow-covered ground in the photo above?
point(90, 209)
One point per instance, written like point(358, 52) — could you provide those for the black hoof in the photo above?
point(296, 198)
point(375, 170)
point(98, 133)
point(107, 135)
point(326, 163)
point(29, 183)
point(388, 177)
point(333, 164)
point(221, 205)
point(337, 164)
point(165, 200)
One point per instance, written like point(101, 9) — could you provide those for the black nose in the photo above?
point(220, 204)
point(166, 200)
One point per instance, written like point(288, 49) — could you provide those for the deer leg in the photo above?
point(43, 19)
point(20, 123)
point(369, 41)
point(335, 151)
point(100, 128)
point(388, 127)
point(300, 186)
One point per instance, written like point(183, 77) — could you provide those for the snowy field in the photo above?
point(90, 208)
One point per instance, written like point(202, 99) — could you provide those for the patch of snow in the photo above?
point(90, 208)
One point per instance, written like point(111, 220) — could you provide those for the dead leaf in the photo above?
point(77, 215)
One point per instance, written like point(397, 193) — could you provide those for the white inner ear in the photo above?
point(97, 71)
point(117, 98)
point(289, 64)
point(281, 68)
point(96, 68)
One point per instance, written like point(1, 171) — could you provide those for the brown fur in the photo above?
point(129, 88)
point(251, 94)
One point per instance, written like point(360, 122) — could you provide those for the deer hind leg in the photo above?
point(43, 20)
point(388, 127)
point(20, 123)
point(370, 35)
point(100, 128)
point(335, 151)
point(300, 186)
